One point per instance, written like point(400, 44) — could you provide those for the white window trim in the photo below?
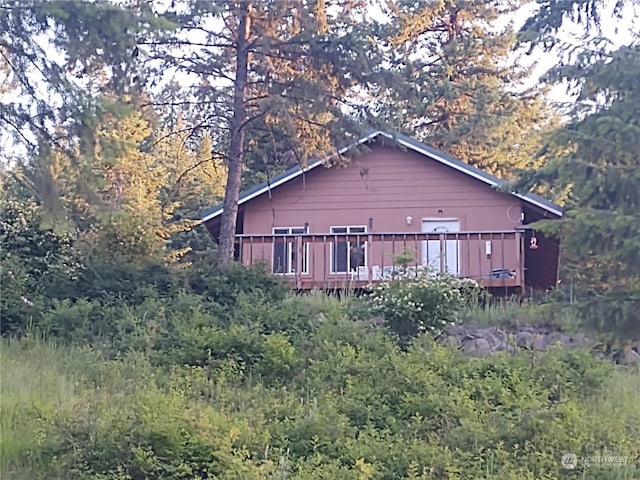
point(366, 248)
point(290, 248)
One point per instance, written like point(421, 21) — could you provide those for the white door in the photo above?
point(441, 256)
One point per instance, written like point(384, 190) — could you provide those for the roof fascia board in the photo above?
point(293, 175)
point(541, 205)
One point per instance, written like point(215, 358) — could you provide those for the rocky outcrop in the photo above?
point(491, 340)
point(484, 341)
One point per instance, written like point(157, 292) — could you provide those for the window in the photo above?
point(286, 251)
point(348, 256)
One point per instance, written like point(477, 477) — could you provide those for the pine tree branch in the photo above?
point(15, 127)
point(191, 130)
point(186, 43)
point(252, 119)
point(252, 100)
point(180, 103)
point(197, 69)
point(174, 187)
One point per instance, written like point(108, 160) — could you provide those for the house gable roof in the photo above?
point(405, 142)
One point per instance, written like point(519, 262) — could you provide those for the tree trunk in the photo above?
point(236, 142)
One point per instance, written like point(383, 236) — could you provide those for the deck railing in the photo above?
point(341, 260)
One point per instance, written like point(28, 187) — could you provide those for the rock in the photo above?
point(507, 348)
point(455, 329)
point(544, 329)
point(628, 357)
point(471, 335)
point(558, 337)
point(524, 339)
point(580, 340)
point(452, 341)
point(494, 340)
point(477, 347)
point(540, 342)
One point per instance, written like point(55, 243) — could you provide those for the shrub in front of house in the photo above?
point(226, 285)
point(422, 303)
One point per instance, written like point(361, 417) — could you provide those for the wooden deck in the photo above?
point(350, 261)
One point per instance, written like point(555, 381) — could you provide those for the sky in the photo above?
point(617, 32)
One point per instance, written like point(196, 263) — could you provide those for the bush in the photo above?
point(83, 321)
point(424, 303)
point(117, 278)
point(147, 434)
point(20, 305)
point(224, 285)
point(360, 404)
point(37, 263)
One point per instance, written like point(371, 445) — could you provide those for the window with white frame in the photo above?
point(290, 253)
point(347, 256)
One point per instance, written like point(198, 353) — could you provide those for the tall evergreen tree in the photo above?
point(596, 159)
point(61, 56)
point(455, 83)
point(273, 75)
point(594, 164)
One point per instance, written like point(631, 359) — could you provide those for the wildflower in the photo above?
point(26, 301)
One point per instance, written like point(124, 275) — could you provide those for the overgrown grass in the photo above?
point(282, 386)
point(37, 379)
point(513, 313)
point(354, 396)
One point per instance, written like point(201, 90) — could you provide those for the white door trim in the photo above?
point(450, 248)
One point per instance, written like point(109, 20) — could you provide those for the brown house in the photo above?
point(400, 206)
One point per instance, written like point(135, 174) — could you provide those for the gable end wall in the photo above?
point(387, 185)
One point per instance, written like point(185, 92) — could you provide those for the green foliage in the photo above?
point(220, 372)
point(543, 28)
point(20, 305)
point(361, 407)
point(133, 283)
point(514, 312)
point(95, 47)
point(594, 162)
point(421, 303)
point(37, 263)
point(140, 432)
point(81, 321)
point(224, 285)
point(405, 259)
point(452, 83)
